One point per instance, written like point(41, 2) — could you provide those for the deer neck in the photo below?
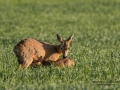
point(58, 48)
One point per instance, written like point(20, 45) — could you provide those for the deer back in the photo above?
point(36, 49)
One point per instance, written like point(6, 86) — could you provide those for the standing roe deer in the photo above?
point(30, 51)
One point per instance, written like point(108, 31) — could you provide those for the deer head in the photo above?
point(64, 45)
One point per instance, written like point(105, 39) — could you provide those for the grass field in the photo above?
point(95, 47)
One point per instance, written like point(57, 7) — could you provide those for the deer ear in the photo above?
point(70, 38)
point(59, 38)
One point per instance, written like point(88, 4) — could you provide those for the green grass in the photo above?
point(95, 47)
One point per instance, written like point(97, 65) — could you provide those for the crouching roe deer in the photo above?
point(30, 51)
point(64, 62)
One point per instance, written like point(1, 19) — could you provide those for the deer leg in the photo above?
point(20, 66)
point(27, 63)
point(20, 63)
point(39, 61)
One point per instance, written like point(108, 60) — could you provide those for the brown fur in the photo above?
point(65, 62)
point(30, 51)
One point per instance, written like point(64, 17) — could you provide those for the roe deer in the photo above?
point(64, 62)
point(59, 63)
point(30, 51)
